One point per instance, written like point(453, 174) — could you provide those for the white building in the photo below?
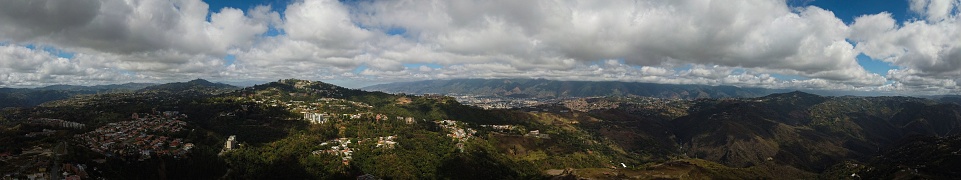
point(315, 118)
point(231, 143)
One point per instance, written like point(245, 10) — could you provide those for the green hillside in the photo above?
point(299, 129)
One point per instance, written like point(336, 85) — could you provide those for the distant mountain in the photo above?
point(949, 98)
point(197, 85)
point(553, 89)
point(24, 97)
point(99, 88)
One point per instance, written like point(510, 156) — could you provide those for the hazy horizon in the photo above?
point(368, 85)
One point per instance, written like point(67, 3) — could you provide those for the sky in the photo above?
point(896, 46)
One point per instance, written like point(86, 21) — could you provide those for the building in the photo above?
point(315, 118)
point(231, 143)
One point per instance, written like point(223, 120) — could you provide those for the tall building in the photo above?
point(231, 143)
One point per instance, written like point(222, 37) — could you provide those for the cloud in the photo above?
point(157, 38)
point(320, 42)
point(324, 22)
point(766, 35)
point(744, 43)
point(612, 70)
point(22, 66)
point(30, 19)
point(118, 26)
point(927, 51)
point(934, 10)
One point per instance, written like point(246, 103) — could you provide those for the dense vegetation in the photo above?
point(787, 135)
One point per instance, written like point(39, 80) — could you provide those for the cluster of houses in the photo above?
point(321, 118)
point(408, 120)
point(135, 138)
point(386, 142)
point(341, 147)
point(329, 103)
point(458, 134)
point(55, 123)
point(312, 110)
point(499, 102)
point(334, 109)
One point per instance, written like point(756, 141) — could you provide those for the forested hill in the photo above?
point(27, 97)
point(541, 88)
point(198, 85)
point(24, 97)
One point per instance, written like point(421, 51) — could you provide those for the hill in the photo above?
point(295, 88)
point(806, 132)
point(99, 88)
point(26, 97)
point(193, 86)
point(541, 88)
point(300, 129)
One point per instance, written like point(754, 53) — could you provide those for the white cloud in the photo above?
point(163, 39)
point(909, 80)
point(934, 10)
point(612, 70)
point(325, 22)
point(928, 51)
point(750, 34)
point(127, 26)
point(22, 66)
point(743, 43)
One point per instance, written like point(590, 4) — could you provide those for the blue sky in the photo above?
point(848, 10)
point(276, 5)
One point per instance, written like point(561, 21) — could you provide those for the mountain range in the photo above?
point(197, 85)
point(25, 97)
point(794, 133)
point(541, 88)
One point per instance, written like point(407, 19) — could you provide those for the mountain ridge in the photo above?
point(542, 88)
point(198, 85)
point(25, 97)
